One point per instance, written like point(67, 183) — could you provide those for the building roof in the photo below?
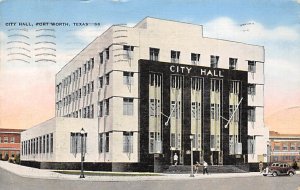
point(274, 134)
point(3, 130)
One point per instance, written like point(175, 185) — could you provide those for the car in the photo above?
point(279, 169)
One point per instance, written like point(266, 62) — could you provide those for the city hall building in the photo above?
point(146, 92)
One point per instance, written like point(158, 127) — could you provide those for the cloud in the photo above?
point(119, 1)
point(88, 34)
point(249, 31)
point(297, 1)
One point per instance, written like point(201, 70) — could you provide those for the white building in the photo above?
point(140, 92)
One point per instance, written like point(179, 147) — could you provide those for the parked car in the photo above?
point(279, 169)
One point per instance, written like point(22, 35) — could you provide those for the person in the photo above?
point(175, 159)
point(261, 165)
point(196, 167)
point(205, 165)
point(295, 165)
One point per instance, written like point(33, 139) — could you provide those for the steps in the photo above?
point(211, 169)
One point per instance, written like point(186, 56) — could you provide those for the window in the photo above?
point(103, 142)
point(12, 139)
point(84, 68)
point(91, 112)
point(44, 144)
point(234, 87)
point(196, 110)
point(0, 140)
point(79, 93)
point(107, 79)
point(128, 142)
point(100, 104)
point(107, 142)
point(215, 85)
point(155, 79)
point(276, 147)
point(251, 89)
point(251, 114)
point(293, 146)
point(76, 142)
point(285, 147)
point(47, 143)
point(195, 58)
point(5, 139)
point(92, 60)
point(252, 66)
point(40, 144)
point(176, 81)
point(175, 109)
point(107, 53)
point(128, 78)
point(101, 57)
point(84, 90)
point(127, 106)
point(106, 104)
point(51, 143)
point(251, 145)
point(155, 145)
point(100, 82)
point(175, 55)
point(214, 60)
point(232, 63)
point(154, 107)
point(236, 113)
point(215, 111)
point(154, 54)
point(92, 86)
point(128, 52)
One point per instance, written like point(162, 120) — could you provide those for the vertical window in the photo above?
point(128, 78)
point(101, 142)
point(175, 55)
point(154, 54)
point(175, 109)
point(251, 89)
point(107, 79)
point(91, 111)
point(92, 86)
point(47, 143)
point(128, 52)
point(75, 142)
point(100, 82)
point(92, 60)
point(44, 144)
point(236, 113)
point(5, 139)
point(232, 63)
point(101, 57)
point(106, 104)
point(100, 108)
point(252, 66)
point(154, 79)
point(151, 142)
point(251, 114)
point(234, 87)
point(51, 143)
point(251, 145)
point(154, 107)
point(195, 58)
point(128, 142)
point(12, 139)
point(127, 106)
point(84, 68)
point(196, 110)
point(107, 142)
point(214, 61)
point(214, 111)
point(40, 144)
point(107, 53)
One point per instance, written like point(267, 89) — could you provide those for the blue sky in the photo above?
point(275, 25)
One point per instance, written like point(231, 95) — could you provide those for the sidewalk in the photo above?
point(24, 171)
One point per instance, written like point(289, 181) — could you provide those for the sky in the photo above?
point(32, 54)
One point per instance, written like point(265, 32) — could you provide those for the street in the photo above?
point(10, 181)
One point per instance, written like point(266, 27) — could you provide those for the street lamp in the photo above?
point(82, 132)
point(192, 172)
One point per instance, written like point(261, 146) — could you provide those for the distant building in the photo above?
point(10, 142)
point(284, 147)
point(140, 92)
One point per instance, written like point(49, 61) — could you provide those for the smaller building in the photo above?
point(284, 147)
point(10, 142)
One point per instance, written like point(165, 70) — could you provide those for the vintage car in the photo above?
point(279, 169)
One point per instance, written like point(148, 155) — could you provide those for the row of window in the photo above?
point(38, 145)
point(284, 158)
point(76, 140)
point(87, 89)
point(7, 140)
point(286, 147)
point(195, 59)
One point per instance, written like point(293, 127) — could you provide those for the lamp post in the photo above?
point(192, 172)
point(82, 155)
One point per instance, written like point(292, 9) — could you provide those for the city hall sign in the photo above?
point(203, 71)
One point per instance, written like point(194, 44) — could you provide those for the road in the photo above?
point(10, 181)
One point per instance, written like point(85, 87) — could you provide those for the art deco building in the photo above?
point(140, 93)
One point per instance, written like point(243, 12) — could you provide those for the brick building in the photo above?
point(10, 142)
point(284, 147)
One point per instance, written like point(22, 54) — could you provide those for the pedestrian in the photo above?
point(175, 159)
point(205, 165)
point(196, 167)
point(261, 165)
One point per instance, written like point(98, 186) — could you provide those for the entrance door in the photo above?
point(215, 158)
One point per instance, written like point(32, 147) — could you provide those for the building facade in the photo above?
point(10, 142)
point(284, 147)
point(146, 89)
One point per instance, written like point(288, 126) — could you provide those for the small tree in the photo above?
point(0, 156)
